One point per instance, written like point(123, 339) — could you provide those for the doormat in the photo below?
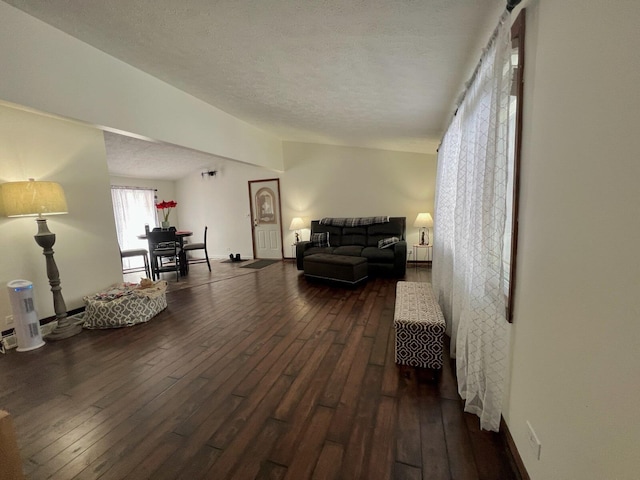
point(260, 264)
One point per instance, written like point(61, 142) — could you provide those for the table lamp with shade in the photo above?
point(423, 222)
point(26, 199)
point(297, 224)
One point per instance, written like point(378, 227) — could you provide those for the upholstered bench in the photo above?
point(419, 326)
point(338, 268)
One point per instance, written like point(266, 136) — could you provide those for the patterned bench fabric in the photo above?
point(419, 326)
point(122, 305)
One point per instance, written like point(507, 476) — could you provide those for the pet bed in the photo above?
point(124, 305)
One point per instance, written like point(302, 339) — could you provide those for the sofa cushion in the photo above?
point(381, 231)
point(353, 236)
point(378, 255)
point(388, 229)
point(388, 242)
point(320, 239)
point(334, 232)
point(314, 250)
point(352, 250)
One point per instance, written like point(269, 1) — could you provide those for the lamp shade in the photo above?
point(296, 224)
point(23, 199)
point(423, 220)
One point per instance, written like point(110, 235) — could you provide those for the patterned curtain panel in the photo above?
point(470, 216)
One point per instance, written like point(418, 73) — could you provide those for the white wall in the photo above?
point(50, 71)
point(319, 181)
point(222, 203)
point(86, 249)
point(332, 181)
point(576, 334)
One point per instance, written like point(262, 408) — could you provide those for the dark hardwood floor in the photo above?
point(247, 374)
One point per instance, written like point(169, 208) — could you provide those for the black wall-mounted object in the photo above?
point(511, 4)
point(209, 173)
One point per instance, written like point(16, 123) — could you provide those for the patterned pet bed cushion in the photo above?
point(124, 305)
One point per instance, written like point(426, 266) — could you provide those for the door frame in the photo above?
point(253, 220)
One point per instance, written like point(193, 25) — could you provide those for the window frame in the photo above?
point(517, 33)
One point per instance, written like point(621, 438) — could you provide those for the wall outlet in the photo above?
point(8, 321)
point(534, 443)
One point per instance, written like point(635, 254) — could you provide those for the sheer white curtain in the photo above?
point(133, 208)
point(470, 217)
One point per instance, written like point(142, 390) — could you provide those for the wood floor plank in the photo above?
point(333, 390)
point(192, 444)
point(239, 446)
point(340, 428)
point(462, 462)
point(330, 462)
point(250, 468)
point(435, 456)
point(143, 464)
point(310, 446)
point(298, 388)
point(488, 445)
point(284, 450)
point(271, 471)
point(382, 451)
point(406, 472)
point(408, 444)
point(247, 374)
point(236, 422)
point(391, 375)
point(358, 447)
point(379, 350)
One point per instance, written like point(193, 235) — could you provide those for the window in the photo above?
point(515, 142)
point(133, 208)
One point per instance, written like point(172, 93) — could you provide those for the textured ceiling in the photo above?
point(132, 157)
point(377, 73)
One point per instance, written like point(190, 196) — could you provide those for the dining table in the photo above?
point(180, 235)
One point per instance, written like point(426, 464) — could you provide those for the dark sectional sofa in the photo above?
point(362, 242)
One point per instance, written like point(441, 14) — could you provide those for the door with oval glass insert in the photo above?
point(266, 218)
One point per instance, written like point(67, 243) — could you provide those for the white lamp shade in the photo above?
point(296, 224)
point(423, 220)
point(23, 199)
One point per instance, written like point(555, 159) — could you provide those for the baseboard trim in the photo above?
point(43, 321)
point(517, 459)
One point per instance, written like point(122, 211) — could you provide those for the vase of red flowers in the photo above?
point(165, 208)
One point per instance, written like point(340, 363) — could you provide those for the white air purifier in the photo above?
point(25, 318)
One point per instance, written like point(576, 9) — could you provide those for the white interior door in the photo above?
point(266, 218)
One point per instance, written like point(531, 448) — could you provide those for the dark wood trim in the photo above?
point(517, 33)
point(517, 459)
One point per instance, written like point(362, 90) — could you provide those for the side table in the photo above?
point(428, 253)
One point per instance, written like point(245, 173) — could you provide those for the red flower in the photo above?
point(166, 208)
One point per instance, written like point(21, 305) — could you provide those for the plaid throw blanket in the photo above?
point(353, 222)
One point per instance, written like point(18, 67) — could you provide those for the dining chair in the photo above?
point(191, 247)
point(135, 252)
point(164, 245)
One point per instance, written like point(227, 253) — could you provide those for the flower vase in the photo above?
point(165, 225)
